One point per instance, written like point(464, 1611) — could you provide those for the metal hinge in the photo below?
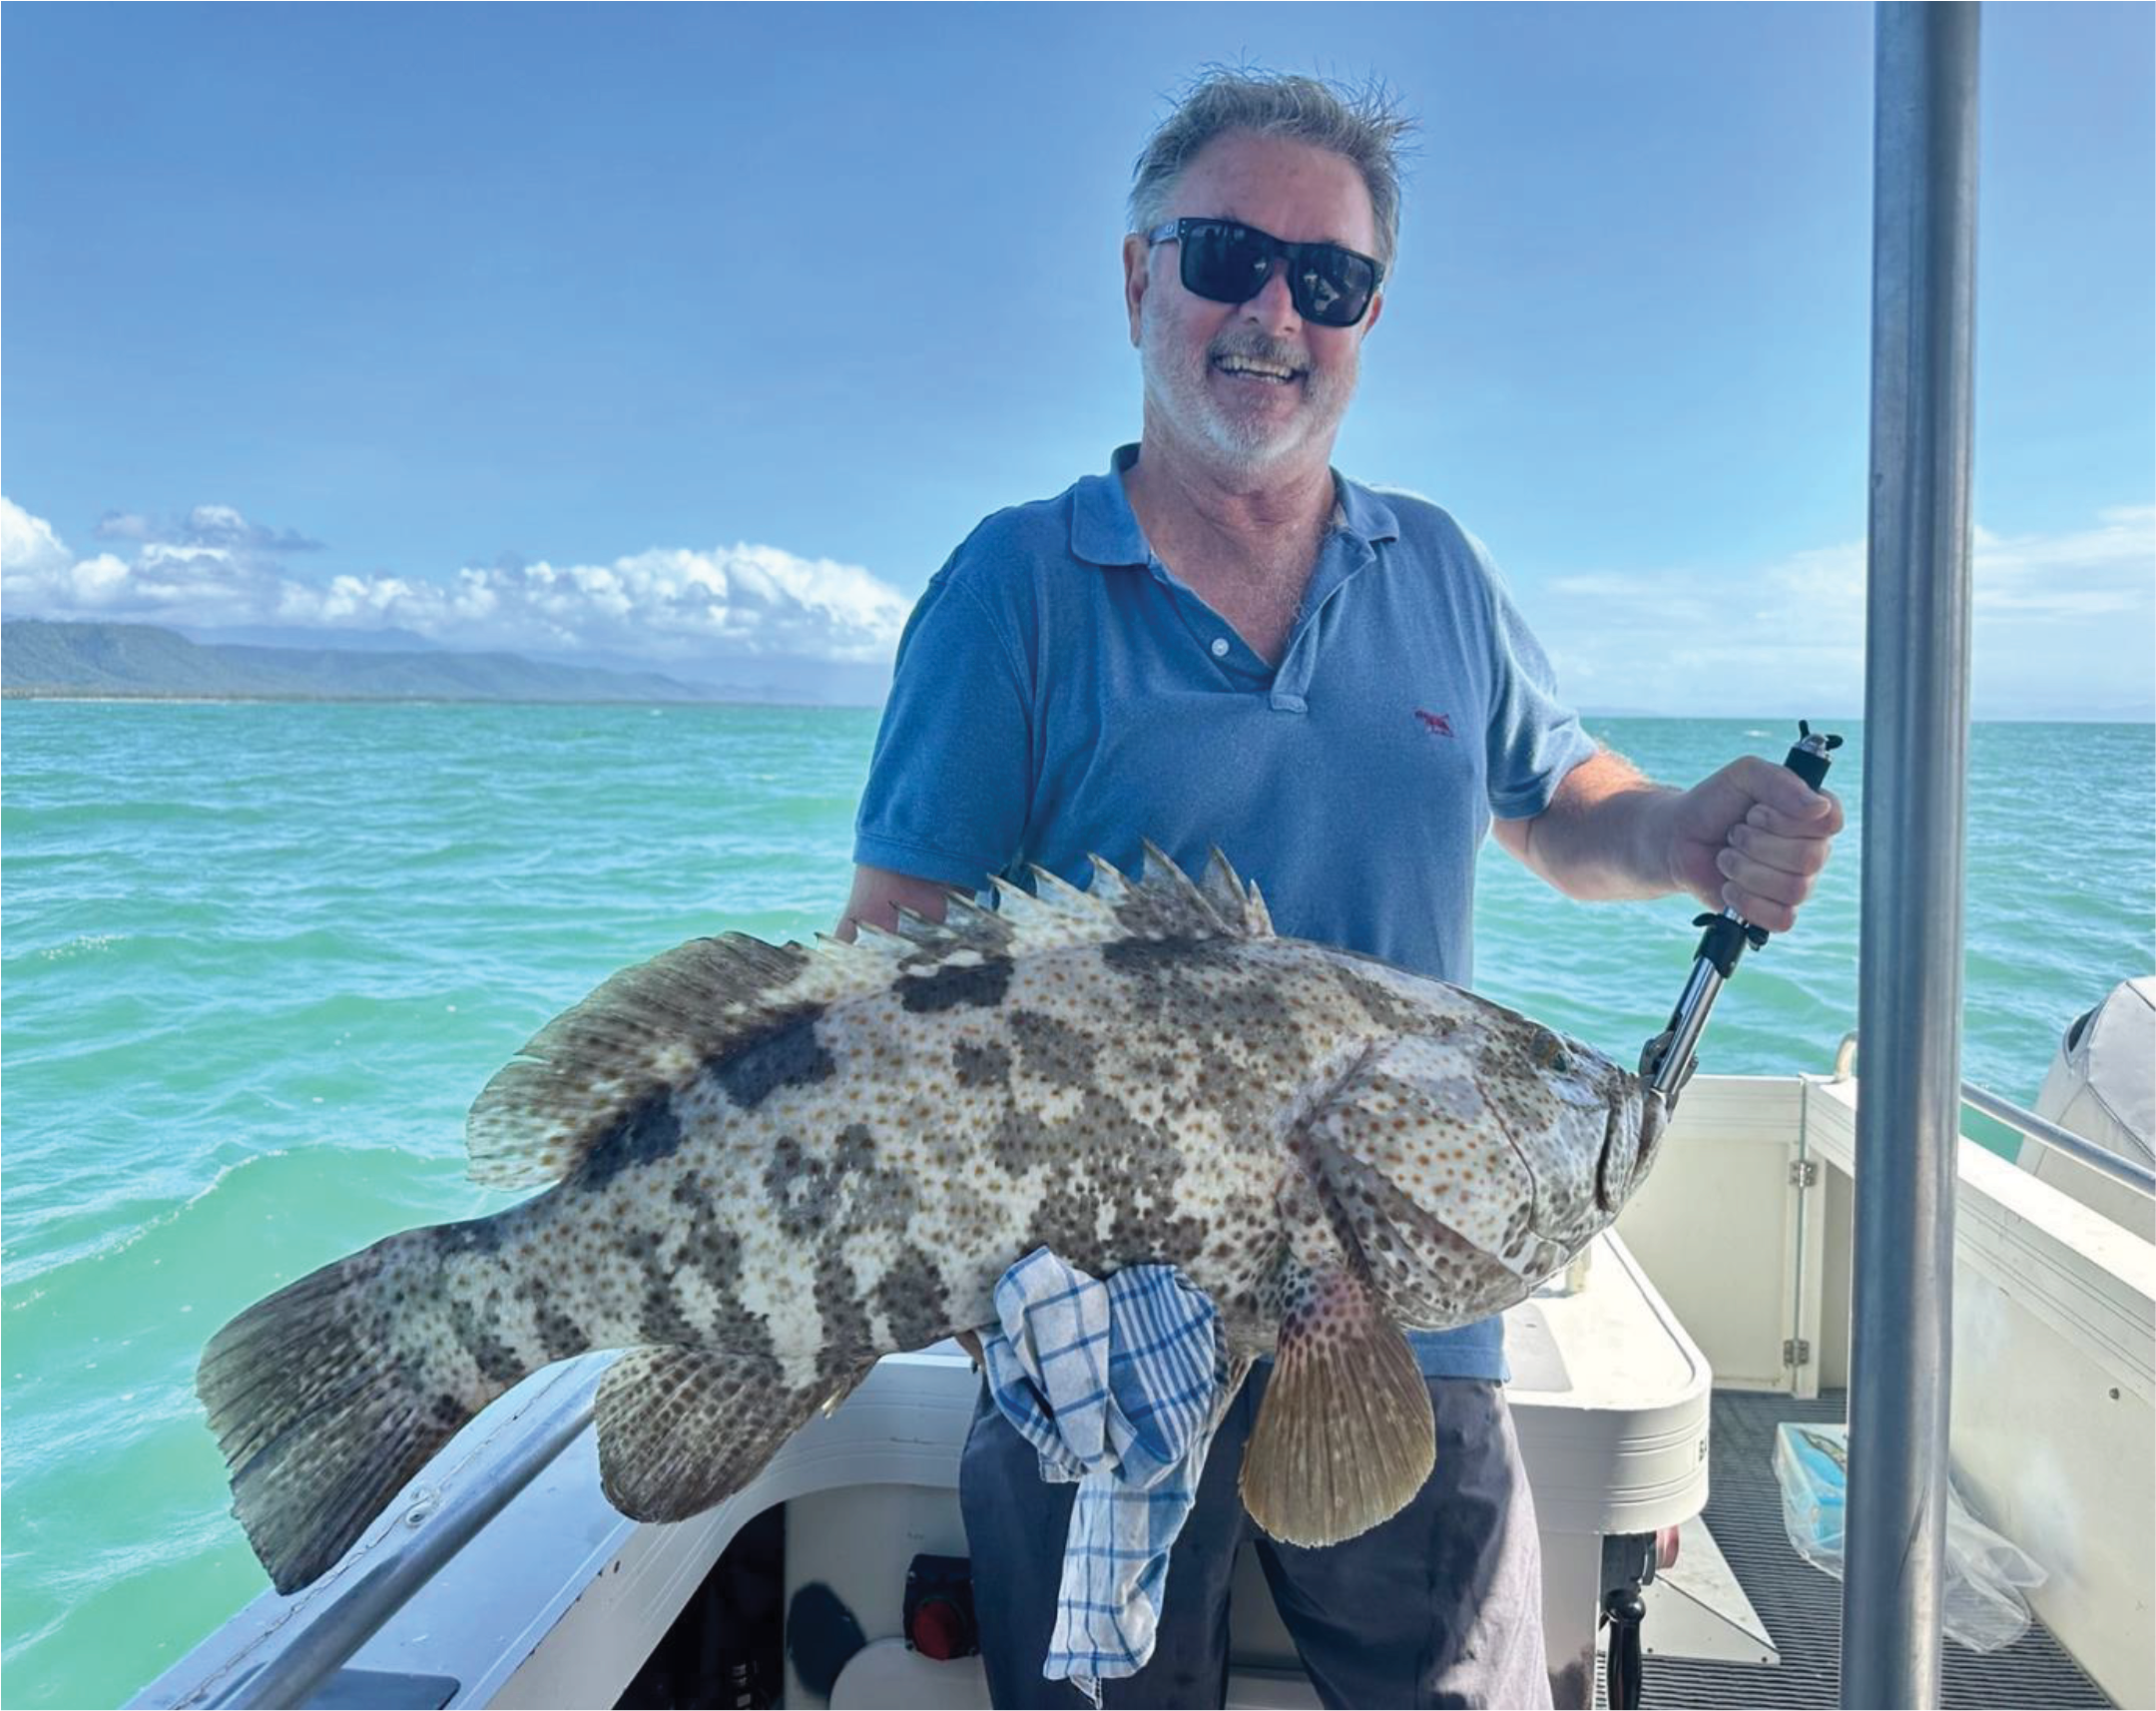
point(1795, 1352)
point(1803, 1173)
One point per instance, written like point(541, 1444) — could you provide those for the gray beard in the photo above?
point(1175, 388)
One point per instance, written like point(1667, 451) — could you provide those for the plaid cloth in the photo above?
point(1119, 1386)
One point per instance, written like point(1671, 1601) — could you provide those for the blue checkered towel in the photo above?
point(1119, 1386)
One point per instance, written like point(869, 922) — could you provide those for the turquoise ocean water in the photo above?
point(257, 961)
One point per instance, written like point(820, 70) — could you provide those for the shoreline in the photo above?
point(181, 698)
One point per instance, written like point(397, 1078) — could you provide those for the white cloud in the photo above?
point(28, 546)
point(205, 526)
point(216, 569)
point(2062, 624)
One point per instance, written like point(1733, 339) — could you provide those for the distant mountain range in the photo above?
point(41, 658)
point(44, 657)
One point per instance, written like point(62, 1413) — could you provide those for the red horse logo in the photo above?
point(1435, 722)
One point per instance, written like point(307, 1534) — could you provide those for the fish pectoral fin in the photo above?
point(1345, 1436)
point(682, 1429)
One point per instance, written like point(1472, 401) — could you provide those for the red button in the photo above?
point(940, 1630)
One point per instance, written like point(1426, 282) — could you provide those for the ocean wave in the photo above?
point(82, 944)
point(374, 1188)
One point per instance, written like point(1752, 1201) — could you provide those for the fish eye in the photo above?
point(1547, 1051)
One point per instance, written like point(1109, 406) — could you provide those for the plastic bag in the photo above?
point(1987, 1575)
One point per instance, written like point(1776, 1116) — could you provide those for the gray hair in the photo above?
point(1366, 127)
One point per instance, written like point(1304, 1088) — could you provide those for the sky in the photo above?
point(698, 336)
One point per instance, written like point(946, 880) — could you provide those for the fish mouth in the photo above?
point(1631, 1138)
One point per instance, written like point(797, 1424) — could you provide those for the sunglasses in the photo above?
point(1227, 261)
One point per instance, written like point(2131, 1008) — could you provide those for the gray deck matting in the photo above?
point(1802, 1605)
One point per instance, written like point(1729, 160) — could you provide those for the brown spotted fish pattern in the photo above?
point(763, 1167)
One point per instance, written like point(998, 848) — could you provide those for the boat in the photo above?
point(2101, 1087)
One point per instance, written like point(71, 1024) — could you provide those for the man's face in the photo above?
point(1191, 350)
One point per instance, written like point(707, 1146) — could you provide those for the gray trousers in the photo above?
point(1440, 1605)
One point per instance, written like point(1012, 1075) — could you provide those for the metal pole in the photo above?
point(1916, 755)
point(2080, 1148)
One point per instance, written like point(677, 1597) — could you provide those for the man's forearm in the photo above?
point(1752, 837)
point(879, 895)
point(1606, 834)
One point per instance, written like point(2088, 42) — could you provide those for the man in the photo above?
point(1221, 642)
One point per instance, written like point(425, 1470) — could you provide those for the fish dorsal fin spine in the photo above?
point(650, 1031)
point(1165, 904)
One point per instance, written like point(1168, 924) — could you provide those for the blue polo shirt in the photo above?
point(1059, 693)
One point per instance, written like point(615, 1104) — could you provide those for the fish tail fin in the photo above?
point(320, 1424)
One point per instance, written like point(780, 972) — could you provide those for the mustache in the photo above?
point(1258, 348)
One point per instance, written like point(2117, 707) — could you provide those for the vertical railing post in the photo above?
point(1915, 765)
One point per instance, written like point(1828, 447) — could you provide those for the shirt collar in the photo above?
point(1364, 513)
point(1104, 528)
point(1105, 531)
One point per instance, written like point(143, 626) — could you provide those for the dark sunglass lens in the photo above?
point(1223, 262)
point(1332, 287)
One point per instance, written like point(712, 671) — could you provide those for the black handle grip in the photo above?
point(1810, 757)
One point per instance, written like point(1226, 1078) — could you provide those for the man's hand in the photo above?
point(1753, 837)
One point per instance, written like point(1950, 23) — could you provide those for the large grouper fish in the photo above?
point(770, 1165)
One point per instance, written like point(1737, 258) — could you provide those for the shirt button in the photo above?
point(1220, 647)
